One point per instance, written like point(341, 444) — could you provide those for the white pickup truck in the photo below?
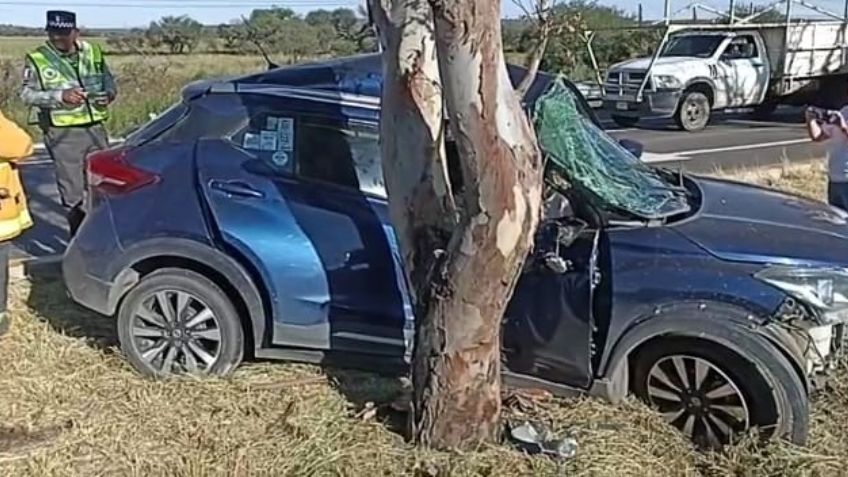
point(699, 69)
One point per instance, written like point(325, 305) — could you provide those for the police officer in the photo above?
point(68, 81)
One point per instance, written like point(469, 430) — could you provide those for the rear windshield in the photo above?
point(153, 129)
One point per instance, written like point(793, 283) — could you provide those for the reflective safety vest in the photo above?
point(15, 145)
point(55, 72)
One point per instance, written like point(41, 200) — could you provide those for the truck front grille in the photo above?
point(622, 83)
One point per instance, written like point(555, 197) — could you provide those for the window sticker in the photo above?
point(280, 158)
point(251, 141)
point(272, 123)
point(285, 126)
point(268, 140)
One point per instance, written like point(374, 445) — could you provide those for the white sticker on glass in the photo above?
point(251, 141)
point(286, 131)
point(280, 158)
point(268, 140)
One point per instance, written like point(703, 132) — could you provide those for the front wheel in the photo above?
point(713, 394)
point(179, 322)
point(693, 113)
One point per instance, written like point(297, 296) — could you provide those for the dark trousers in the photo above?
point(837, 194)
point(69, 147)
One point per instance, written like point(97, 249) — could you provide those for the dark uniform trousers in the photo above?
point(69, 146)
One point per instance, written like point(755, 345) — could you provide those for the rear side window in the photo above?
point(346, 155)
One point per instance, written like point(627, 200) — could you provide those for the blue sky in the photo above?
point(126, 13)
point(117, 13)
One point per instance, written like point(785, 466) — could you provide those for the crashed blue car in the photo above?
point(249, 220)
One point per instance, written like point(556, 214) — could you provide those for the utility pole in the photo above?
point(733, 11)
point(667, 12)
point(641, 18)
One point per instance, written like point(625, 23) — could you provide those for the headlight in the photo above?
point(825, 290)
point(667, 82)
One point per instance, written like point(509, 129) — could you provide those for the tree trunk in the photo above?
point(461, 262)
point(421, 203)
point(534, 63)
point(456, 368)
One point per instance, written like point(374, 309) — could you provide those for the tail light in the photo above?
point(109, 171)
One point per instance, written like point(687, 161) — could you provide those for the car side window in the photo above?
point(340, 153)
point(741, 48)
point(266, 130)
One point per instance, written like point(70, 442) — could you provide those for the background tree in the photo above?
point(180, 34)
point(463, 253)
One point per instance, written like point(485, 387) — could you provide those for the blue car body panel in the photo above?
point(326, 259)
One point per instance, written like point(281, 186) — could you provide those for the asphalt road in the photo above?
point(729, 143)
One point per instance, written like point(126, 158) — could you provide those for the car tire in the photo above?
point(693, 113)
point(734, 393)
point(625, 121)
point(179, 322)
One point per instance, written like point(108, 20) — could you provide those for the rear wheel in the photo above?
point(693, 113)
point(712, 394)
point(179, 322)
point(625, 121)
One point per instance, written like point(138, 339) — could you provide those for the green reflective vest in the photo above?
point(55, 72)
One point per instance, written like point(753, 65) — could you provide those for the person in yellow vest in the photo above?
point(68, 81)
point(15, 145)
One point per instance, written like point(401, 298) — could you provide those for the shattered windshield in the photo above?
point(697, 46)
point(585, 155)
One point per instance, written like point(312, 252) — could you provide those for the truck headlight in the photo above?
point(666, 82)
point(824, 290)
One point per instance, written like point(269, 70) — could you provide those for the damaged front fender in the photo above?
point(708, 321)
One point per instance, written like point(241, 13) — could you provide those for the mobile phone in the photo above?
point(827, 116)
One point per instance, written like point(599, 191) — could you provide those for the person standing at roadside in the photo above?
point(15, 144)
point(831, 128)
point(68, 81)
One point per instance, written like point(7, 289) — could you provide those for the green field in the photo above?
point(147, 83)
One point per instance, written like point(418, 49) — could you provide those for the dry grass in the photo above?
point(70, 405)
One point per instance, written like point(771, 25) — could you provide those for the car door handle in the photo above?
point(236, 188)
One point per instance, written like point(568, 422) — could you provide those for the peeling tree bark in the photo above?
point(462, 257)
point(456, 372)
point(412, 124)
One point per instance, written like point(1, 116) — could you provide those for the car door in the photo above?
point(548, 328)
point(751, 70)
point(746, 71)
point(289, 191)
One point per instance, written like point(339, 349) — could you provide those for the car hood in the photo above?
point(642, 64)
point(744, 223)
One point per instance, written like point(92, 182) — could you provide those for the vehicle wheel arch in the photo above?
point(700, 84)
point(695, 320)
point(243, 286)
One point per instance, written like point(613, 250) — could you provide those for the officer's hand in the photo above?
point(810, 115)
point(73, 96)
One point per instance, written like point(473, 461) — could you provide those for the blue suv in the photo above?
point(250, 221)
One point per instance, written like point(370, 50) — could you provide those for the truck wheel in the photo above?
point(693, 114)
point(625, 121)
point(713, 394)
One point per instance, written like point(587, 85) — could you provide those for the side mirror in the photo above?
point(633, 147)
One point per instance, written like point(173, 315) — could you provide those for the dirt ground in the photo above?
point(71, 406)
